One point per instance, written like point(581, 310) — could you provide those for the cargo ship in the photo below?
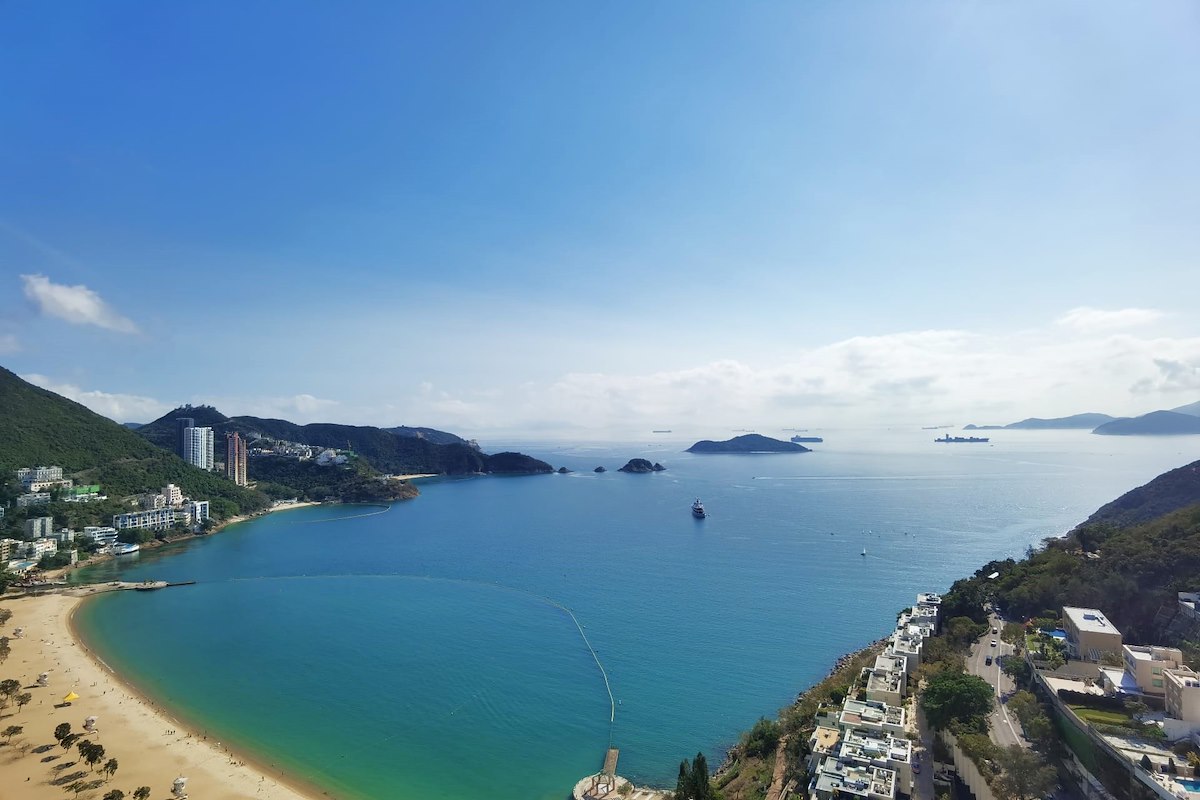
point(799, 439)
point(958, 439)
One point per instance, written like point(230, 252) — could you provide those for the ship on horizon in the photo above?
point(799, 439)
point(958, 439)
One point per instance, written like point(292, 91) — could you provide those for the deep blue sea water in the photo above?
point(423, 653)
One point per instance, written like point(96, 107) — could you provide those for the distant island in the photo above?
point(1156, 423)
point(984, 427)
point(640, 465)
point(748, 443)
point(1073, 422)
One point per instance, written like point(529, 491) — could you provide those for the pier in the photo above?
point(607, 784)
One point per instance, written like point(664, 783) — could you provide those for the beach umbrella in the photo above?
point(70, 696)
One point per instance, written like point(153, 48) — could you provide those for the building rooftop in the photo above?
point(824, 739)
point(1091, 620)
point(840, 776)
point(869, 744)
point(871, 713)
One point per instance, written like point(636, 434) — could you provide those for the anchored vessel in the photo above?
point(957, 439)
point(698, 509)
point(798, 439)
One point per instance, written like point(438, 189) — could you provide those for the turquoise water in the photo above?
point(420, 653)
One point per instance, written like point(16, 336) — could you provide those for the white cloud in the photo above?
point(119, 407)
point(1092, 320)
point(78, 305)
point(8, 344)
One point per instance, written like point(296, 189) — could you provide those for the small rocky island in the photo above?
point(600, 469)
point(748, 443)
point(639, 465)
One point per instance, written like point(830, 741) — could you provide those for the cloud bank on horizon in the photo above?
point(908, 378)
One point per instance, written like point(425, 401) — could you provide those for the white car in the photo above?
point(993, 643)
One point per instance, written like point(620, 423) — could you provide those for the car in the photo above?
point(995, 630)
point(993, 643)
point(988, 661)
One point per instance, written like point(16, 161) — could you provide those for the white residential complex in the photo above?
point(863, 751)
point(198, 447)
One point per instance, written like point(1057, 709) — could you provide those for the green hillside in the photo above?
point(1129, 562)
point(39, 427)
point(385, 450)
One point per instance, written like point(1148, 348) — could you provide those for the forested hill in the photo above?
point(433, 451)
point(39, 427)
point(1169, 492)
point(1129, 559)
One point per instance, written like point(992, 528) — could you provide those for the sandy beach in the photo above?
point(152, 749)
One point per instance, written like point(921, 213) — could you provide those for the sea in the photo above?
point(493, 637)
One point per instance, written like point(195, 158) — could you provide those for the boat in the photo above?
point(798, 439)
point(124, 549)
point(864, 552)
point(958, 439)
point(698, 509)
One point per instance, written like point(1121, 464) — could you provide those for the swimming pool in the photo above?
point(1191, 784)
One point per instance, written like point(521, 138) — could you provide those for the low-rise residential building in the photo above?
point(39, 527)
point(30, 475)
point(908, 643)
point(838, 777)
point(1146, 665)
point(154, 519)
point(880, 750)
point(872, 715)
point(63, 535)
point(33, 499)
point(172, 494)
point(886, 681)
point(1090, 635)
point(40, 547)
point(9, 548)
point(197, 511)
point(1182, 694)
point(100, 535)
point(151, 500)
point(41, 486)
point(823, 743)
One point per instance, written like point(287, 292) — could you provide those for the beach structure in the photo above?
point(89, 724)
point(43, 679)
point(179, 788)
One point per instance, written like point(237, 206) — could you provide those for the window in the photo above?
point(1157, 682)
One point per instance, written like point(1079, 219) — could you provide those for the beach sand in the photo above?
point(152, 748)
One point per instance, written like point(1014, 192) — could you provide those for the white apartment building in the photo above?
point(9, 549)
point(844, 777)
point(100, 535)
point(872, 715)
point(1147, 664)
point(198, 447)
point(41, 486)
point(153, 519)
point(33, 499)
point(197, 511)
point(40, 547)
point(172, 494)
point(151, 500)
point(30, 475)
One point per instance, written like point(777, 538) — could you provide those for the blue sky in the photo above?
point(587, 219)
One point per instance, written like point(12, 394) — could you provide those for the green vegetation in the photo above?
point(762, 739)
point(387, 450)
point(354, 482)
point(957, 702)
point(1130, 572)
point(694, 783)
point(1101, 716)
point(39, 427)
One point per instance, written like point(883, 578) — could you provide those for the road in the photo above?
point(1002, 726)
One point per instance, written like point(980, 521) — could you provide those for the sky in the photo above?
point(589, 220)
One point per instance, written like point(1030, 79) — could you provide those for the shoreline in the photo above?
point(152, 743)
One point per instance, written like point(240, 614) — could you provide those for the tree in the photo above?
point(91, 752)
point(114, 794)
point(61, 731)
point(23, 699)
point(141, 793)
point(1137, 709)
point(11, 731)
point(1025, 775)
point(762, 738)
point(68, 741)
point(8, 690)
point(5, 616)
point(693, 783)
point(957, 697)
point(110, 767)
point(961, 631)
point(77, 787)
